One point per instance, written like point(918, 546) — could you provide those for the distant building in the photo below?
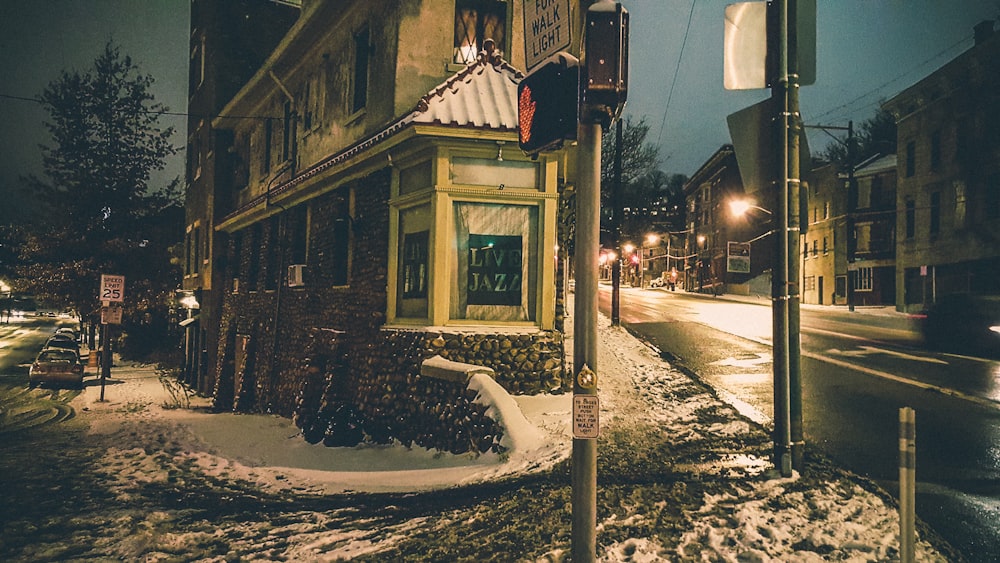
point(713, 229)
point(873, 253)
point(824, 241)
point(948, 195)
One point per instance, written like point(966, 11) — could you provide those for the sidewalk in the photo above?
point(724, 502)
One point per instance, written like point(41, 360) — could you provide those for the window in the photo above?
point(810, 283)
point(815, 247)
point(826, 210)
point(196, 249)
point(476, 21)
point(413, 275)
point(911, 158)
point(254, 245)
point(288, 133)
point(826, 247)
point(935, 224)
point(273, 253)
point(911, 218)
point(300, 234)
point(265, 161)
point(362, 52)
point(935, 150)
point(414, 263)
point(237, 256)
point(496, 273)
point(863, 279)
point(341, 249)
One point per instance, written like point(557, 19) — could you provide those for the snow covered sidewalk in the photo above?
point(742, 513)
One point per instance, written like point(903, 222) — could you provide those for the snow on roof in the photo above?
point(482, 95)
point(876, 164)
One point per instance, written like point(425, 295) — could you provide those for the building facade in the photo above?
point(948, 195)
point(872, 250)
point(229, 41)
point(713, 231)
point(824, 241)
point(378, 212)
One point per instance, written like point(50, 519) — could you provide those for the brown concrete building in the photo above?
point(948, 195)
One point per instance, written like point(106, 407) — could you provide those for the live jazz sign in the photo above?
point(494, 270)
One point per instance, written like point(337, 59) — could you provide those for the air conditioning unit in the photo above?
point(295, 272)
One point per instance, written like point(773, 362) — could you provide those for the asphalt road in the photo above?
point(858, 369)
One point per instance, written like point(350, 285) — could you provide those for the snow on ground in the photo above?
point(758, 521)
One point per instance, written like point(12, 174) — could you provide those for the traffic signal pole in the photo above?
point(587, 250)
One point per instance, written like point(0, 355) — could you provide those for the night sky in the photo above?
point(868, 50)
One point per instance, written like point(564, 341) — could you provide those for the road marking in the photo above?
point(757, 360)
point(990, 403)
point(872, 350)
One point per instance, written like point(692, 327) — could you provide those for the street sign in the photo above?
point(586, 416)
point(738, 258)
point(112, 288)
point(546, 29)
point(111, 314)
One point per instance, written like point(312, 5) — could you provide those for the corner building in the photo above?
point(380, 213)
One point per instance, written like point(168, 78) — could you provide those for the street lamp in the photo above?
point(740, 207)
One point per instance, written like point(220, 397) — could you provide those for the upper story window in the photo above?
point(362, 54)
point(911, 158)
point(476, 21)
point(935, 150)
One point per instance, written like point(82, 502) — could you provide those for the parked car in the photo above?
point(964, 323)
point(63, 341)
point(68, 331)
point(56, 365)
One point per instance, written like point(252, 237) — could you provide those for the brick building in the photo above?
point(948, 195)
point(377, 212)
point(229, 41)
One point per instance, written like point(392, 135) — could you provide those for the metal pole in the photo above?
point(105, 355)
point(907, 483)
point(780, 276)
point(852, 204)
point(588, 225)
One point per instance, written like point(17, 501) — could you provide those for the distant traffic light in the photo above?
point(548, 104)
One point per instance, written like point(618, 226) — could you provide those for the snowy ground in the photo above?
point(731, 507)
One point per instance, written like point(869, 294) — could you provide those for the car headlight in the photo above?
point(995, 328)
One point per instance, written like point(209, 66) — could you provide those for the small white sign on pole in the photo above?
point(546, 29)
point(112, 288)
point(586, 416)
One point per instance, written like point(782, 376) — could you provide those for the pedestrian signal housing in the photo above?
point(548, 102)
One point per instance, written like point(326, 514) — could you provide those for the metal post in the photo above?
point(105, 356)
point(588, 223)
point(852, 205)
point(784, 285)
point(907, 483)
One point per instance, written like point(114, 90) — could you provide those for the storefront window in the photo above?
point(414, 251)
point(494, 275)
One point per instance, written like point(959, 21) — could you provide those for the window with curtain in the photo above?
point(476, 21)
point(495, 274)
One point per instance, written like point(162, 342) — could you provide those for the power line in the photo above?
point(158, 112)
point(673, 82)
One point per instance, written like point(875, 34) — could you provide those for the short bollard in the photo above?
point(907, 483)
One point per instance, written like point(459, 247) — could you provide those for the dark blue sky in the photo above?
point(868, 50)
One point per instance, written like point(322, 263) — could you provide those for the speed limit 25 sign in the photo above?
point(112, 288)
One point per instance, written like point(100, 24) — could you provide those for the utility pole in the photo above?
point(788, 440)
